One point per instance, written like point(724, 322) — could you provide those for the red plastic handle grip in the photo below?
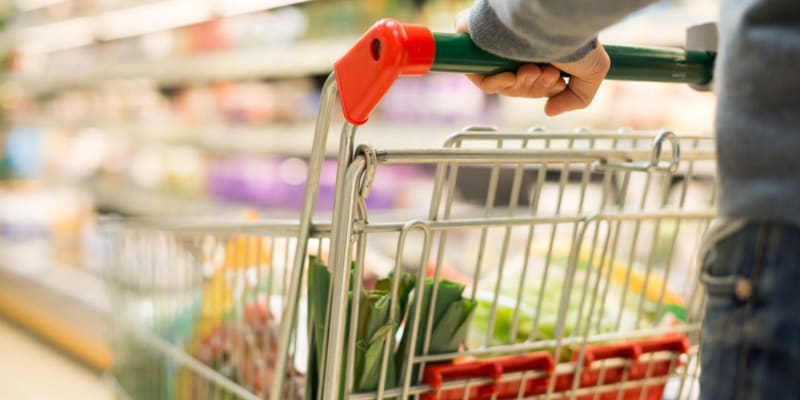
point(537, 362)
point(435, 375)
point(675, 343)
point(543, 362)
point(630, 350)
point(385, 52)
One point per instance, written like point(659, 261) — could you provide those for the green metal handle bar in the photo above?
point(391, 49)
point(457, 53)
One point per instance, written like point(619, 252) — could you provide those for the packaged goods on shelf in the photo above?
point(429, 100)
point(280, 27)
point(21, 152)
point(280, 182)
point(141, 104)
point(32, 210)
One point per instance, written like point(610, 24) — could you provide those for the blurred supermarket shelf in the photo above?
point(296, 140)
point(293, 140)
point(6, 42)
point(130, 200)
point(662, 24)
point(33, 260)
point(66, 306)
point(138, 18)
point(298, 60)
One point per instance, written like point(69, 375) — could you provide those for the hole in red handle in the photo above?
point(376, 49)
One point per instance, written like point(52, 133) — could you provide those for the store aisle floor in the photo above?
point(31, 370)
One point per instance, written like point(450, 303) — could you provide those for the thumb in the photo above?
point(587, 75)
point(578, 94)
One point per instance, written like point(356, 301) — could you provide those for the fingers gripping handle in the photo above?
point(390, 49)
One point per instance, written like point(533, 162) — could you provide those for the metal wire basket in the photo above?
point(573, 278)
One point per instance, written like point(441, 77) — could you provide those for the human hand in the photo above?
point(544, 80)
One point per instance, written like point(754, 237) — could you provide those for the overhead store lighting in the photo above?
point(132, 21)
point(75, 32)
point(30, 5)
point(154, 17)
point(235, 7)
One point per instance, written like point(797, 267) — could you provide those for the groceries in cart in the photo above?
point(380, 318)
point(231, 324)
point(527, 309)
point(385, 323)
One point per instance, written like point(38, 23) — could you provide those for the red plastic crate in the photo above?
point(494, 369)
point(636, 369)
point(543, 362)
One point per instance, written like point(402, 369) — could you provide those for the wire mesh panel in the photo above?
point(198, 308)
point(569, 273)
point(546, 265)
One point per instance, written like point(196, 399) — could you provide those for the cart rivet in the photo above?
point(743, 289)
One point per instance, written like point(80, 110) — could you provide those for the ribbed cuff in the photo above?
point(580, 53)
point(491, 34)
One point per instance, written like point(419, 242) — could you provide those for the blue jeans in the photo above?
point(750, 345)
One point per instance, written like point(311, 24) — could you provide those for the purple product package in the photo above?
point(280, 183)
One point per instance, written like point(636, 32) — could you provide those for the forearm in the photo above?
point(545, 30)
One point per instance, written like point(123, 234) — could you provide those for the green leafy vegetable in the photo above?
point(609, 307)
point(377, 325)
point(451, 317)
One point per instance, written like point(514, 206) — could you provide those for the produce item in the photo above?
point(617, 306)
point(245, 351)
point(237, 332)
point(318, 288)
point(377, 325)
point(451, 318)
point(225, 267)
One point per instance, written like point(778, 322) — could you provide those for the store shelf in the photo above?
point(66, 306)
point(275, 139)
point(134, 20)
point(134, 201)
point(296, 140)
point(293, 60)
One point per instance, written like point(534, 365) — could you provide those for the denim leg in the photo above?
point(750, 345)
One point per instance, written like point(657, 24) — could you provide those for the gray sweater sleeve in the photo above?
point(544, 30)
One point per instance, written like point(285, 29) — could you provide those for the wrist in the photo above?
point(581, 52)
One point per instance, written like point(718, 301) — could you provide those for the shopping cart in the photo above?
point(574, 278)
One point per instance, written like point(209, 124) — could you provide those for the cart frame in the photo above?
point(347, 233)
